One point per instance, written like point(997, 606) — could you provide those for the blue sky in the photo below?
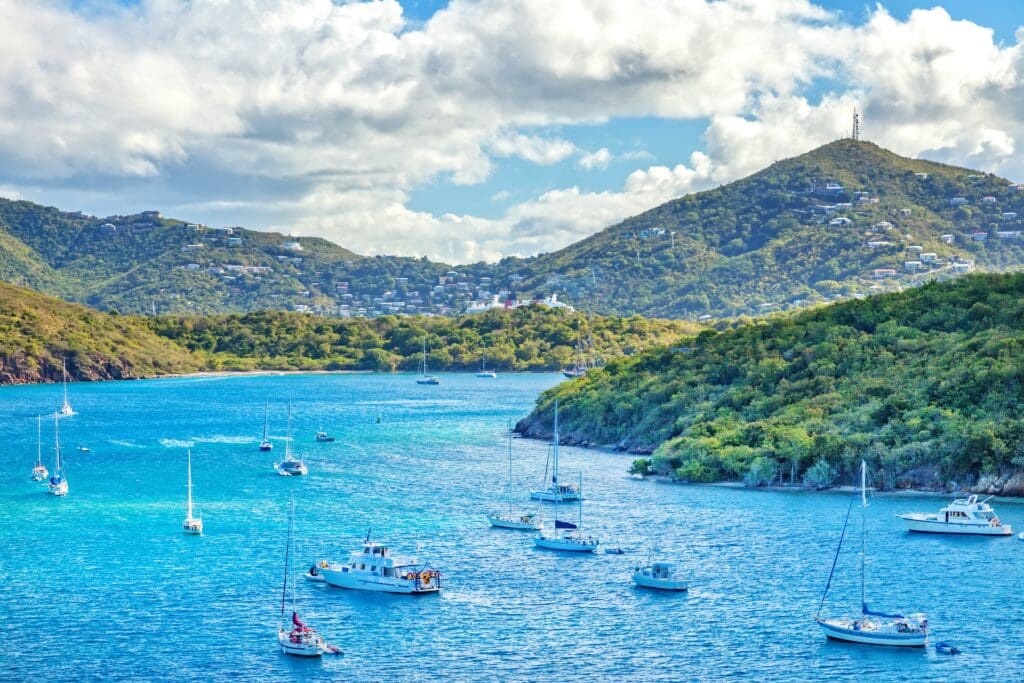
point(471, 130)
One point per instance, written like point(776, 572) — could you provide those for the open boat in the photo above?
point(58, 484)
point(425, 378)
point(962, 516)
point(39, 472)
point(556, 492)
point(566, 536)
point(65, 410)
point(659, 575)
point(301, 640)
point(191, 525)
point(290, 466)
point(871, 627)
point(265, 445)
point(512, 519)
point(374, 568)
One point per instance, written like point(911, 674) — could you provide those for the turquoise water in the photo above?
point(103, 584)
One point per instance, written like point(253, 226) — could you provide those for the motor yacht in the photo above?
point(374, 568)
point(962, 516)
point(659, 575)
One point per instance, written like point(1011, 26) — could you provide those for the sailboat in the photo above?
point(424, 378)
point(301, 640)
point(511, 519)
point(573, 539)
point(65, 410)
point(39, 472)
point(870, 628)
point(557, 492)
point(58, 484)
point(484, 372)
point(191, 525)
point(290, 466)
point(579, 368)
point(265, 445)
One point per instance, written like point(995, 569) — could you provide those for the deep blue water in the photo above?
point(103, 584)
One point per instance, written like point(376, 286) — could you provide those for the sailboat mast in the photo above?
point(39, 440)
point(266, 412)
point(510, 468)
point(64, 372)
point(580, 526)
point(287, 560)
point(288, 441)
point(863, 529)
point(554, 447)
point(56, 446)
point(189, 486)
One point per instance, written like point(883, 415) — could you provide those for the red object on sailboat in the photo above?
point(298, 622)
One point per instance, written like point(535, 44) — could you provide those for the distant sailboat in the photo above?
point(511, 519)
point(301, 640)
point(424, 378)
point(557, 492)
point(579, 368)
point(58, 484)
point(65, 410)
point(573, 539)
point(191, 525)
point(265, 445)
point(484, 372)
point(870, 628)
point(290, 466)
point(39, 472)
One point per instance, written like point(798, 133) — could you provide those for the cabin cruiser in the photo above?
point(962, 516)
point(374, 568)
point(892, 629)
point(324, 437)
point(660, 575)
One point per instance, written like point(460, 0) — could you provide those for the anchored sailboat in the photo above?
point(265, 445)
point(191, 525)
point(290, 466)
point(870, 628)
point(573, 539)
point(557, 492)
point(65, 410)
point(39, 472)
point(58, 484)
point(510, 519)
point(484, 372)
point(424, 378)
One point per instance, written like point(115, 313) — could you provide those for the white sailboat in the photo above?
point(870, 628)
point(265, 445)
point(511, 519)
point(557, 492)
point(573, 539)
point(425, 378)
point(290, 466)
point(39, 472)
point(191, 525)
point(301, 640)
point(65, 410)
point(58, 484)
point(484, 372)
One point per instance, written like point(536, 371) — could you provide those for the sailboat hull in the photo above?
point(517, 522)
point(841, 629)
point(193, 526)
point(553, 497)
point(566, 545)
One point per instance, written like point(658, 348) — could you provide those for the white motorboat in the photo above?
point(290, 466)
point(557, 492)
point(425, 377)
point(871, 627)
point(374, 568)
point(324, 437)
point(484, 372)
point(65, 410)
point(192, 524)
point(566, 536)
point(301, 640)
point(962, 516)
point(314, 575)
point(39, 472)
point(58, 484)
point(265, 445)
point(512, 519)
point(659, 575)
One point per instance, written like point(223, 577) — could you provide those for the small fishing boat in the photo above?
point(39, 472)
point(566, 536)
point(290, 466)
point(265, 444)
point(65, 410)
point(374, 568)
point(484, 372)
point(659, 575)
point(424, 377)
point(962, 516)
point(512, 519)
point(557, 492)
point(300, 640)
point(324, 437)
point(871, 627)
point(58, 484)
point(83, 449)
point(192, 524)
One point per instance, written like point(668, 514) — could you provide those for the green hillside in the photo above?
point(926, 384)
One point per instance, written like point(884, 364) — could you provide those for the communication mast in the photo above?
point(855, 131)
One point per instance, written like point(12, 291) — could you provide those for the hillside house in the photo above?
point(833, 187)
point(292, 246)
point(979, 236)
point(108, 227)
point(988, 199)
point(915, 247)
point(1008, 234)
point(921, 176)
point(912, 266)
point(1009, 215)
point(963, 267)
point(192, 266)
point(957, 201)
point(841, 220)
point(948, 239)
point(193, 247)
point(879, 244)
point(234, 241)
point(863, 199)
point(881, 273)
point(905, 212)
point(929, 257)
point(883, 225)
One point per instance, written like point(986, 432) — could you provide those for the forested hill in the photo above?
point(844, 220)
point(38, 331)
point(926, 384)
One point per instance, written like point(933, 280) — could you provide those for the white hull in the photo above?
point(59, 490)
point(490, 375)
point(40, 475)
point(66, 411)
point(565, 545)
point(553, 497)
point(192, 526)
point(266, 446)
point(300, 649)
point(930, 524)
point(659, 584)
point(428, 380)
point(368, 581)
point(505, 522)
point(838, 629)
point(287, 470)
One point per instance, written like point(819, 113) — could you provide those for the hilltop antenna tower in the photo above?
point(855, 131)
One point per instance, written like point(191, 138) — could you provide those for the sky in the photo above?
point(473, 130)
